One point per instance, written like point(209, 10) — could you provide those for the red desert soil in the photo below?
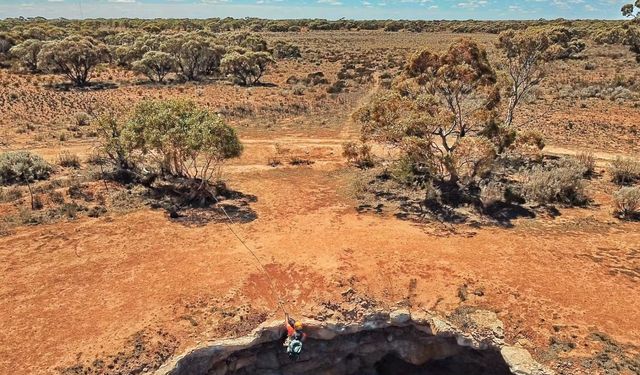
point(71, 292)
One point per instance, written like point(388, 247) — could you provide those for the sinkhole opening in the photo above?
point(386, 351)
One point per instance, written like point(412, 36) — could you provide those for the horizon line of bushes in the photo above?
point(100, 27)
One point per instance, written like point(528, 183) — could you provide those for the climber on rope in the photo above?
point(295, 337)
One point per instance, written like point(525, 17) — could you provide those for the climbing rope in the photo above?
point(261, 267)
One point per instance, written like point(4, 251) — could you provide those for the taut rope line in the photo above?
point(271, 283)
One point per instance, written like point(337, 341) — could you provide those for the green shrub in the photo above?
point(22, 167)
point(627, 201)
point(562, 184)
point(183, 139)
point(27, 53)
point(282, 50)
point(404, 172)
point(624, 170)
point(155, 65)
point(75, 57)
point(246, 68)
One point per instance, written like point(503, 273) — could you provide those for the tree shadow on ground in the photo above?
point(419, 211)
point(363, 208)
point(91, 86)
point(458, 212)
point(180, 82)
point(504, 213)
point(221, 204)
point(238, 210)
point(547, 210)
point(263, 84)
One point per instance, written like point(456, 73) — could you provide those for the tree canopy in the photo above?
point(245, 66)
point(180, 138)
point(74, 56)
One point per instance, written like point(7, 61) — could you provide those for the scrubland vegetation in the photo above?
point(448, 114)
point(457, 126)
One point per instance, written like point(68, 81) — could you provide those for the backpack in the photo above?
point(294, 349)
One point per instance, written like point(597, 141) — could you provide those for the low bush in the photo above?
point(563, 184)
point(11, 194)
point(274, 161)
point(530, 138)
point(22, 167)
point(56, 197)
point(358, 154)
point(79, 190)
point(299, 160)
point(82, 119)
point(97, 211)
point(314, 79)
point(337, 87)
point(575, 164)
point(473, 157)
point(68, 160)
point(96, 159)
point(27, 217)
point(624, 171)
point(490, 194)
point(527, 145)
point(587, 161)
point(358, 188)
point(627, 201)
point(411, 172)
point(298, 90)
point(70, 210)
point(283, 50)
point(37, 203)
point(403, 171)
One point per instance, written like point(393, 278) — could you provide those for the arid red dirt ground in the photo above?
point(133, 289)
point(80, 290)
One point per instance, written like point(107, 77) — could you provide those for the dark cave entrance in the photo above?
point(384, 351)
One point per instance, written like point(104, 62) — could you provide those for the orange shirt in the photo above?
point(292, 331)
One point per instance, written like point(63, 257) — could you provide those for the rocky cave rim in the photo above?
point(415, 342)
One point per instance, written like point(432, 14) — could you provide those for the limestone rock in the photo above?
point(399, 317)
point(442, 327)
point(486, 327)
point(520, 362)
point(337, 348)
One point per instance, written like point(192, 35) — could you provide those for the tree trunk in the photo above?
point(31, 194)
point(451, 169)
point(510, 110)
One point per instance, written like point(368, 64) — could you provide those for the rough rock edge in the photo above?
point(487, 334)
